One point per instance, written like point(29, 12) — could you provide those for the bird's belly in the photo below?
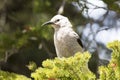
point(66, 48)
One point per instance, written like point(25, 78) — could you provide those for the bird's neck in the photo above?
point(62, 27)
point(62, 32)
point(56, 29)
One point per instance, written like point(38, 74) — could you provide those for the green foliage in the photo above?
point(5, 41)
point(11, 42)
point(72, 68)
point(112, 71)
point(23, 19)
point(112, 5)
point(12, 76)
point(75, 68)
point(32, 66)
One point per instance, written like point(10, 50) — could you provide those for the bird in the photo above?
point(67, 42)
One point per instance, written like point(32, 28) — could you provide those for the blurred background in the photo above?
point(23, 39)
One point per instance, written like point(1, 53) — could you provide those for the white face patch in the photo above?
point(60, 21)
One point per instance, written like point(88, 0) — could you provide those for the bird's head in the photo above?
point(58, 21)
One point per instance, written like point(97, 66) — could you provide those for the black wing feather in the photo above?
point(80, 42)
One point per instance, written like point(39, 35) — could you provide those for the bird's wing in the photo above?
point(80, 42)
point(75, 35)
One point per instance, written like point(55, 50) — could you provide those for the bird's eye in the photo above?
point(57, 20)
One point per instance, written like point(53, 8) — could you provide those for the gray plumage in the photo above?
point(66, 40)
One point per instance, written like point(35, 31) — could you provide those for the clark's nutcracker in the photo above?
point(66, 40)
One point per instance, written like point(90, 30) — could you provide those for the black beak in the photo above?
point(47, 23)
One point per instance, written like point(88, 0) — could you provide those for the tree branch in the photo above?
point(61, 9)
